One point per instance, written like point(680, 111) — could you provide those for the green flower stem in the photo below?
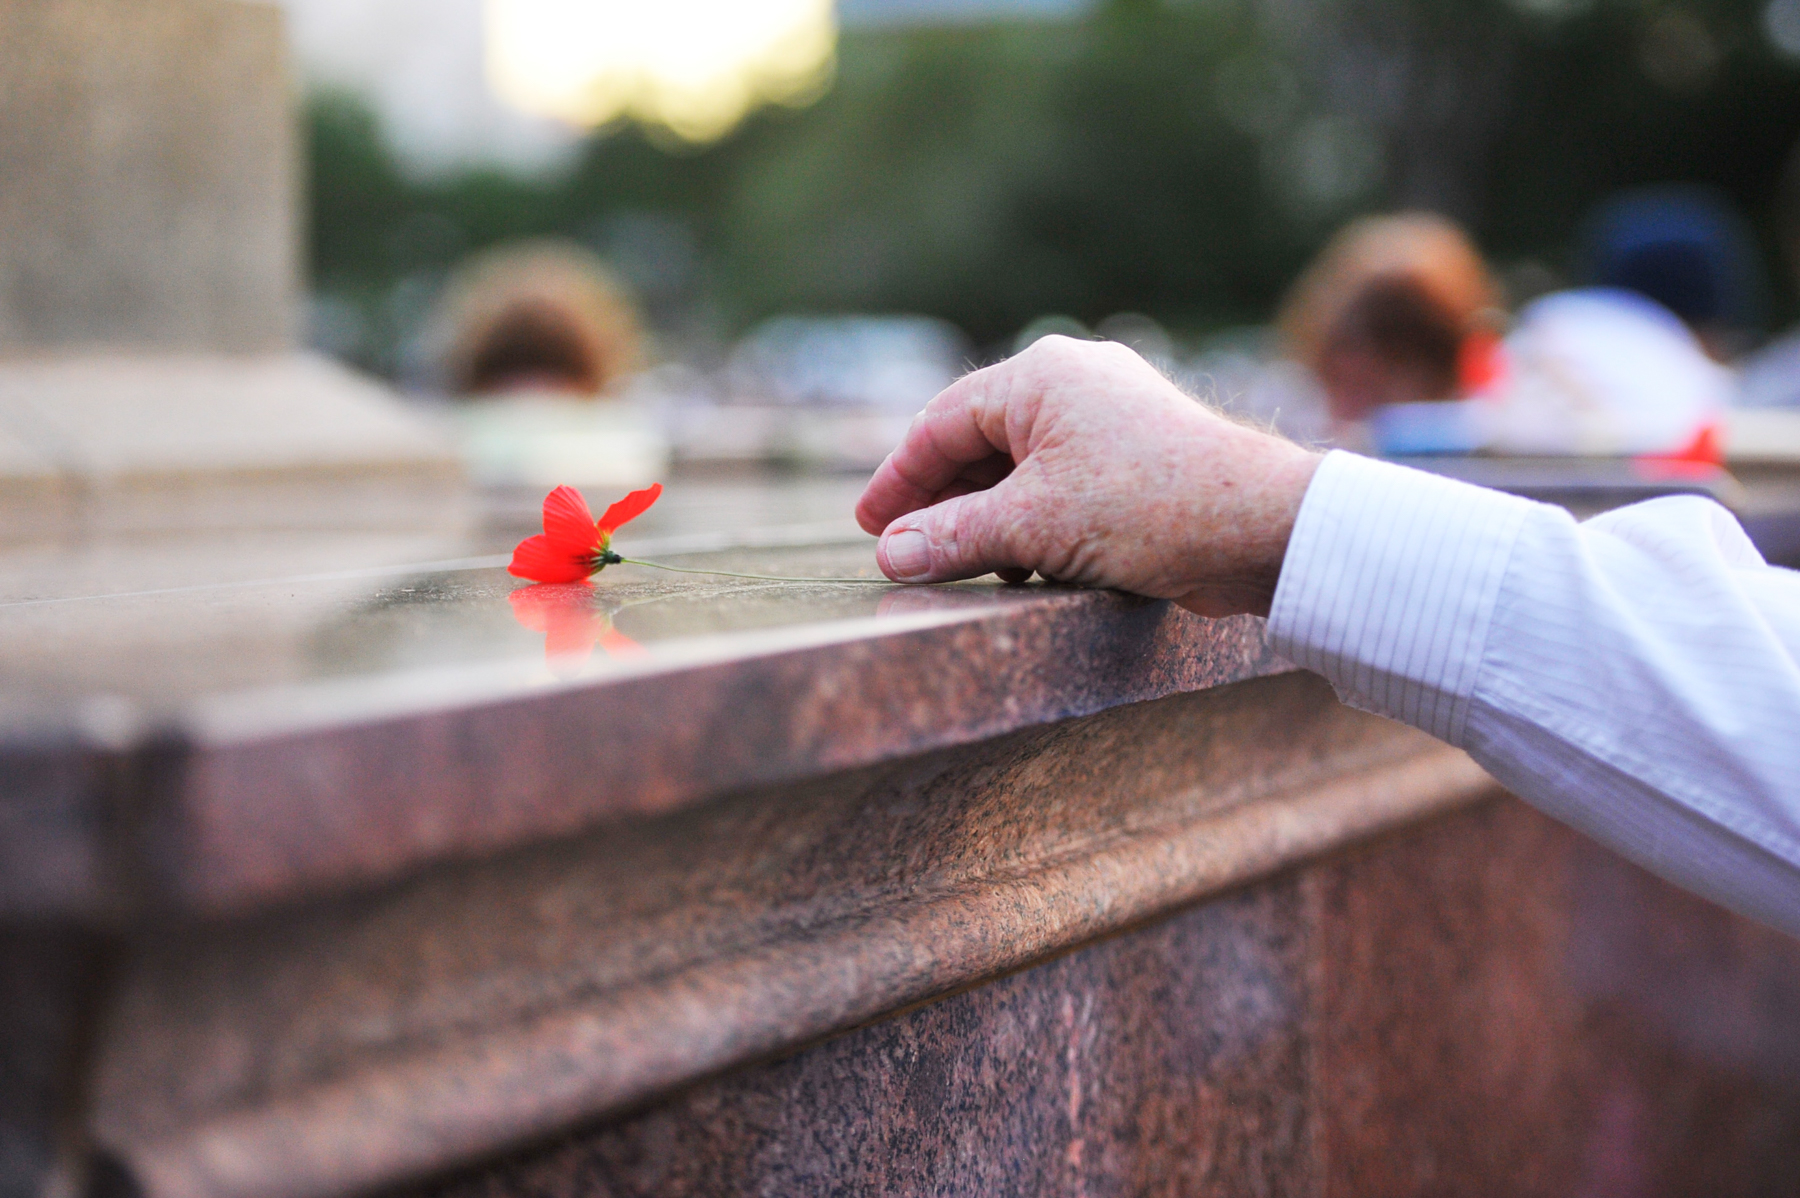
point(632, 561)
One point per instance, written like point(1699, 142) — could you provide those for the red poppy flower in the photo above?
point(564, 613)
point(573, 545)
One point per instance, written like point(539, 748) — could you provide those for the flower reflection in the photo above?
point(572, 625)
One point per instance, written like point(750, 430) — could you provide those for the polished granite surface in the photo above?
point(162, 620)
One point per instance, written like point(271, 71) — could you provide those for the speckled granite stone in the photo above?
point(373, 1038)
point(1508, 1009)
point(1447, 1046)
point(952, 890)
point(1169, 1062)
point(349, 798)
point(47, 983)
point(1486, 1004)
point(60, 823)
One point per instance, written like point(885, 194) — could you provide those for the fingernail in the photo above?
point(909, 553)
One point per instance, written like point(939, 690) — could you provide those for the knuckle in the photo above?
point(1044, 350)
point(1059, 354)
point(1059, 348)
point(963, 536)
point(961, 529)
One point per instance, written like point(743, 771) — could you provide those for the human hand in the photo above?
point(1078, 460)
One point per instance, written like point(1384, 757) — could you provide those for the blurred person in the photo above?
point(1630, 364)
point(1400, 321)
point(535, 317)
point(1636, 676)
point(536, 342)
point(1771, 377)
point(1395, 310)
point(1688, 249)
point(1601, 372)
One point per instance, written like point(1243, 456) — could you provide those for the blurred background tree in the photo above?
point(1181, 158)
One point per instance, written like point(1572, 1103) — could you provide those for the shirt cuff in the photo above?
point(1389, 586)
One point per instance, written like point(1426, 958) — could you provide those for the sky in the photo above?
point(419, 62)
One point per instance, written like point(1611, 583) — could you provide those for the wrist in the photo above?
point(1244, 540)
point(1289, 481)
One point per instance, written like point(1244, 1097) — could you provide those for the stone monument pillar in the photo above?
point(149, 283)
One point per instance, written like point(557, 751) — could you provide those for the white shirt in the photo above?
point(1636, 676)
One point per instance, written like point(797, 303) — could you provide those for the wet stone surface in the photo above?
point(164, 620)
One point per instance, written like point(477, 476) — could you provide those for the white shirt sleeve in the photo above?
point(1636, 676)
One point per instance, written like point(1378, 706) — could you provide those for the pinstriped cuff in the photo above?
point(1389, 586)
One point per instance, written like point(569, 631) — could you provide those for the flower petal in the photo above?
point(537, 559)
point(629, 508)
point(568, 523)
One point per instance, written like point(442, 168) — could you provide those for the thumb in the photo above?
point(962, 537)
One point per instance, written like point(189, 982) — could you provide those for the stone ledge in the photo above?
point(345, 786)
point(370, 1041)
